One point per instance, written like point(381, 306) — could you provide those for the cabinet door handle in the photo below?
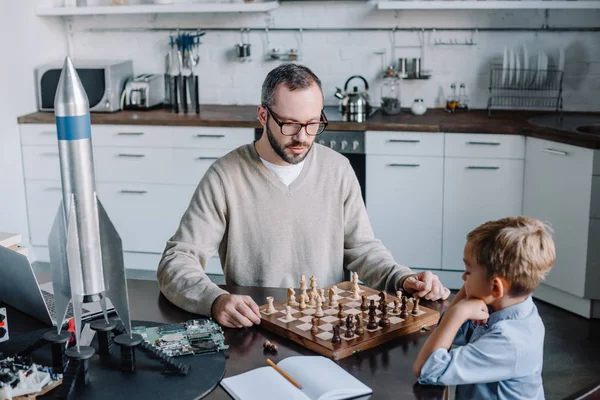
point(404, 140)
point(130, 133)
point(404, 165)
point(484, 143)
point(50, 154)
point(207, 158)
point(558, 152)
point(133, 191)
point(132, 155)
point(482, 167)
point(53, 188)
point(200, 135)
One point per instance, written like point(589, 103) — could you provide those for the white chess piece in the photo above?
point(332, 301)
point(355, 295)
point(319, 313)
point(270, 308)
point(312, 302)
point(288, 313)
point(292, 297)
point(302, 304)
point(323, 299)
point(355, 277)
point(302, 282)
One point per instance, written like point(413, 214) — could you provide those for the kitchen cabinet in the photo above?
point(404, 175)
point(559, 181)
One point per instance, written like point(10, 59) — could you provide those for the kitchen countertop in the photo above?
point(435, 120)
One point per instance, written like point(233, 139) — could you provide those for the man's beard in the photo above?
point(279, 149)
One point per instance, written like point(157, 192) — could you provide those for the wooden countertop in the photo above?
point(435, 120)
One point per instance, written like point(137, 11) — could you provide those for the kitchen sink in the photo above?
point(594, 129)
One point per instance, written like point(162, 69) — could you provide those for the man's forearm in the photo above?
point(442, 337)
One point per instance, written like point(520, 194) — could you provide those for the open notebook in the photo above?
point(319, 377)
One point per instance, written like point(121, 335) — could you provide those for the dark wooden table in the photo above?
point(387, 369)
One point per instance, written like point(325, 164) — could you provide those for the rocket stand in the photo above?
point(57, 340)
point(128, 345)
point(105, 337)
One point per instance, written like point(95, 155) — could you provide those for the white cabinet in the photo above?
point(404, 179)
point(404, 202)
point(558, 187)
point(477, 190)
point(43, 199)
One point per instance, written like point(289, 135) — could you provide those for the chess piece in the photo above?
point(415, 310)
point(292, 297)
point(311, 301)
point(349, 327)
point(372, 324)
point(384, 321)
point(359, 330)
point(302, 304)
point(319, 313)
point(288, 313)
point(341, 314)
point(396, 309)
point(336, 334)
point(355, 295)
point(322, 294)
point(313, 287)
point(303, 287)
point(332, 301)
point(355, 278)
point(364, 306)
point(269, 346)
point(403, 308)
point(270, 307)
point(315, 326)
point(399, 294)
point(382, 300)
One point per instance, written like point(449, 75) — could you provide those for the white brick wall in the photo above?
point(335, 56)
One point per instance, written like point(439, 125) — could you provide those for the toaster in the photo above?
point(144, 91)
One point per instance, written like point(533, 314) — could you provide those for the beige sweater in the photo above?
point(269, 234)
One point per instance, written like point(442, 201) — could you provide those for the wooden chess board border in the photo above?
point(345, 348)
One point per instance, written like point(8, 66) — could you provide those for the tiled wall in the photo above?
point(337, 55)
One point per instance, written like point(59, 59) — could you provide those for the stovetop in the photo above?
point(333, 114)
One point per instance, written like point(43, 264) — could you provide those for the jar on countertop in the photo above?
point(390, 92)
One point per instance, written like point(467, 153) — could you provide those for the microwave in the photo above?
point(103, 82)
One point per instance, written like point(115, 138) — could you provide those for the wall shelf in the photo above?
point(159, 9)
point(487, 4)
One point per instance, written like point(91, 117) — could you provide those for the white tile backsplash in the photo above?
point(336, 55)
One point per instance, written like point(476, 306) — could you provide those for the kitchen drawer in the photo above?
point(145, 215)
point(189, 166)
point(405, 143)
point(131, 164)
point(485, 146)
point(38, 134)
point(41, 162)
point(211, 138)
point(131, 135)
point(43, 200)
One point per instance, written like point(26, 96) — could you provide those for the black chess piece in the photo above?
point(384, 321)
point(382, 300)
point(372, 324)
point(341, 313)
point(403, 308)
point(364, 306)
point(315, 326)
point(349, 327)
point(359, 330)
point(336, 334)
point(415, 310)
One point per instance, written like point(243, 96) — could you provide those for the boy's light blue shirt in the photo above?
point(500, 360)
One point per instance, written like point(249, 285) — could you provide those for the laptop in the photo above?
point(19, 288)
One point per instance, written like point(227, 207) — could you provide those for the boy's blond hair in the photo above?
point(518, 249)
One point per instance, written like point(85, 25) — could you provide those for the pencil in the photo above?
point(286, 376)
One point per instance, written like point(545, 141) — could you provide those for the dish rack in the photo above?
point(534, 89)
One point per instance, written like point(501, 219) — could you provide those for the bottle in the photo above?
point(418, 107)
point(463, 99)
point(452, 101)
point(390, 92)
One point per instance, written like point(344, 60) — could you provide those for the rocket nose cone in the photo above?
point(70, 99)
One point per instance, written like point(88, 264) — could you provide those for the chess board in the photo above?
point(298, 329)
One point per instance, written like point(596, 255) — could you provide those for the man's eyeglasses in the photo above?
point(293, 128)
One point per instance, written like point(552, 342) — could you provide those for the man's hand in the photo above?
point(235, 311)
point(427, 285)
point(473, 309)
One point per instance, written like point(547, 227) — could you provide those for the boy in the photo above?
point(500, 354)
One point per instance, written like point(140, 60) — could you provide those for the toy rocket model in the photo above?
point(85, 249)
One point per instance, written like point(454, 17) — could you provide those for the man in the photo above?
point(276, 209)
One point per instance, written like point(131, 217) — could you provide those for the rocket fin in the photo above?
point(74, 262)
point(57, 243)
point(115, 282)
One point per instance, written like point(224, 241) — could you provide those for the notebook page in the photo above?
point(321, 378)
point(260, 384)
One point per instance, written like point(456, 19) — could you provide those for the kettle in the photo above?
point(354, 102)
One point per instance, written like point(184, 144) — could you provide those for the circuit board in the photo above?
point(20, 379)
point(187, 338)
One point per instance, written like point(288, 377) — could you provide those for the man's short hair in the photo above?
point(293, 76)
point(518, 249)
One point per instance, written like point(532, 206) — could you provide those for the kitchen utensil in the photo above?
point(355, 102)
point(144, 91)
point(242, 50)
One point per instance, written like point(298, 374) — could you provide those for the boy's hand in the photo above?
point(473, 309)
